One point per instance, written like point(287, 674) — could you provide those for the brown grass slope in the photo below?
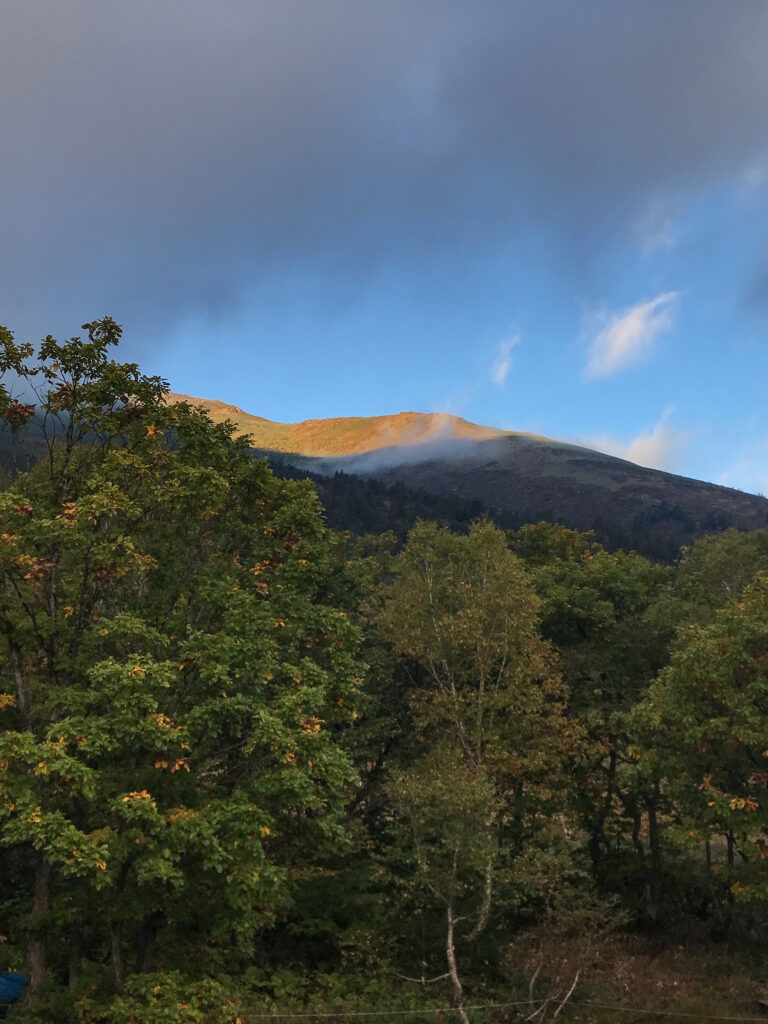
point(348, 435)
point(517, 477)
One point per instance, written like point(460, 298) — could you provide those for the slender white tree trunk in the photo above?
point(455, 990)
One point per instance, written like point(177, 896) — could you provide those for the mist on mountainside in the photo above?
point(512, 477)
point(441, 448)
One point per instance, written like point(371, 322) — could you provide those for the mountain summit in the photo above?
point(512, 477)
point(347, 435)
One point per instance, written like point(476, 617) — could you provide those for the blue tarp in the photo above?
point(12, 986)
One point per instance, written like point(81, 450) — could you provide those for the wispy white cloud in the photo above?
point(655, 229)
point(629, 335)
point(658, 447)
point(753, 178)
point(750, 470)
point(502, 361)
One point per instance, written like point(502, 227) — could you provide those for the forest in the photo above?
point(253, 766)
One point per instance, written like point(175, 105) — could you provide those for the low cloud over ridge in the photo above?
point(658, 447)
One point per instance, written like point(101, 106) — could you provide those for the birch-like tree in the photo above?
point(488, 708)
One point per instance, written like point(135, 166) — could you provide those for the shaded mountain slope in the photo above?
point(521, 480)
point(444, 467)
point(384, 472)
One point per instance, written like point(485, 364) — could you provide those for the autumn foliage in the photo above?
point(242, 756)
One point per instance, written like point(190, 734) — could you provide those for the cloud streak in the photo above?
point(629, 336)
point(502, 362)
point(654, 229)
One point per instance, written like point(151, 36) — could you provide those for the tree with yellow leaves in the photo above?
point(171, 670)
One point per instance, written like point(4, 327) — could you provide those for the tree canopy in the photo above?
point(247, 762)
point(174, 669)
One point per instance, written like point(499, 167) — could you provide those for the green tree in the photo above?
point(172, 673)
point(488, 717)
point(600, 613)
point(714, 571)
point(702, 731)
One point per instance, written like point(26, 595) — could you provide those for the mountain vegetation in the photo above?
point(348, 435)
point(251, 765)
point(439, 466)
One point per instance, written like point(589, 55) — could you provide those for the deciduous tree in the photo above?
point(703, 731)
point(488, 710)
point(171, 671)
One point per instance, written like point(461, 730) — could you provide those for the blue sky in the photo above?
point(548, 217)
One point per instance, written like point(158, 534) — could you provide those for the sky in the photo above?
point(545, 215)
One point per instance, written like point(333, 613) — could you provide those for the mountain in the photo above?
point(346, 435)
point(381, 472)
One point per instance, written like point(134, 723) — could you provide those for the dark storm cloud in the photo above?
point(161, 157)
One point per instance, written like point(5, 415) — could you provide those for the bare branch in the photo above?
point(568, 995)
point(533, 981)
point(422, 980)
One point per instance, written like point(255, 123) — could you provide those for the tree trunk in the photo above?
point(455, 991)
point(117, 958)
point(631, 807)
point(636, 840)
point(485, 908)
point(597, 830)
point(21, 690)
point(146, 949)
point(654, 842)
point(75, 956)
point(731, 848)
point(38, 962)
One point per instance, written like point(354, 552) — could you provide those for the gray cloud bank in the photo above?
point(158, 159)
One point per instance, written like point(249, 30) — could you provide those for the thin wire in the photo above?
point(503, 1006)
point(667, 1013)
point(392, 1013)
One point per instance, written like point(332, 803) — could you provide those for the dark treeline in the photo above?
point(366, 505)
point(248, 762)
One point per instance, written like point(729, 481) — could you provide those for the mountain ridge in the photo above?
point(338, 436)
point(375, 472)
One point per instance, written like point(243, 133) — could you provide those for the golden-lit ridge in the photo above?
point(346, 435)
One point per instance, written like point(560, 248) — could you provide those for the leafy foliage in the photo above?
point(247, 762)
point(704, 731)
point(173, 674)
point(488, 708)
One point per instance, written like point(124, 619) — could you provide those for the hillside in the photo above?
point(347, 435)
point(386, 471)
